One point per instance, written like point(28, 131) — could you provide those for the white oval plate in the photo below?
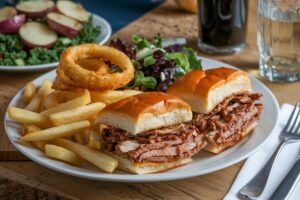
point(203, 162)
point(102, 38)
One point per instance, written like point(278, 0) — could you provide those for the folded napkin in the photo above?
point(256, 161)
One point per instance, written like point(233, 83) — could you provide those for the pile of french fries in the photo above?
point(61, 123)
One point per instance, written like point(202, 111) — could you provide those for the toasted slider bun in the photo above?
point(145, 111)
point(203, 90)
point(148, 167)
point(220, 148)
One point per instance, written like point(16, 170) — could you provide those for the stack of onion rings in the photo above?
point(96, 75)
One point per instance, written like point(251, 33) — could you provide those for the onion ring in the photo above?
point(95, 80)
point(65, 83)
point(58, 84)
point(93, 64)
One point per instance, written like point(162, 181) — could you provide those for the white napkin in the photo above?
point(256, 161)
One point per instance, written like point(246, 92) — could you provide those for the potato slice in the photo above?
point(36, 34)
point(10, 22)
point(73, 10)
point(36, 9)
point(63, 25)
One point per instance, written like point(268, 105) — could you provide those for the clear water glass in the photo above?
point(278, 39)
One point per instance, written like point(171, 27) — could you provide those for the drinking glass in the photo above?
point(222, 25)
point(278, 39)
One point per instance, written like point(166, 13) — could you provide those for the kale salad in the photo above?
point(39, 36)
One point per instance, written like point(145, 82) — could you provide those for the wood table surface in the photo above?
point(169, 21)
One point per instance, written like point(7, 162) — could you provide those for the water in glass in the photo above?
point(279, 39)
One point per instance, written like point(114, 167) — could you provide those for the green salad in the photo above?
point(157, 67)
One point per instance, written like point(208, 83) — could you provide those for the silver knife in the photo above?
point(288, 184)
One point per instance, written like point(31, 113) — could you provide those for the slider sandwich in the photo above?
point(147, 132)
point(223, 105)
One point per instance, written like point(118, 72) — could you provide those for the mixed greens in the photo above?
point(157, 67)
point(12, 52)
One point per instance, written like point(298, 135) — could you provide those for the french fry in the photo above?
point(86, 135)
point(78, 138)
point(57, 132)
point(94, 140)
point(49, 102)
point(99, 159)
point(111, 96)
point(83, 136)
point(69, 137)
point(62, 154)
point(58, 97)
point(29, 92)
point(74, 103)
point(36, 102)
point(28, 117)
point(39, 144)
point(76, 114)
point(30, 129)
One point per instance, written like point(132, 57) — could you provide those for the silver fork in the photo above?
point(254, 188)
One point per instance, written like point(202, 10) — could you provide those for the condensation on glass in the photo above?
point(278, 39)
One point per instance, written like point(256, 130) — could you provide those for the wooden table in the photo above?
point(170, 22)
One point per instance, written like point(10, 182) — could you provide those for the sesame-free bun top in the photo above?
point(203, 90)
point(145, 111)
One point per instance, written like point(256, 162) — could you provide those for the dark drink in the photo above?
point(222, 25)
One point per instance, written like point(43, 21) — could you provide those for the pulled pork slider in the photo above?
point(224, 108)
point(147, 132)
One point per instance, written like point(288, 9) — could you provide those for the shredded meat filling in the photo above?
point(158, 145)
point(229, 119)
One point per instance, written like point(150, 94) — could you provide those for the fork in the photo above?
point(254, 188)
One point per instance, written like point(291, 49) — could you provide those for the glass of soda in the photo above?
point(278, 39)
point(222, 25)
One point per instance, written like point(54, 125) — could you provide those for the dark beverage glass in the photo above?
point(222, 25)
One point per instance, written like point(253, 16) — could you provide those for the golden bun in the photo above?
point(145, 111)
point(203, 90)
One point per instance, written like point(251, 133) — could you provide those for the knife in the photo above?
point(288, 184)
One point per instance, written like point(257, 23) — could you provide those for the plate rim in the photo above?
point(149, 177)
point(47, 66)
